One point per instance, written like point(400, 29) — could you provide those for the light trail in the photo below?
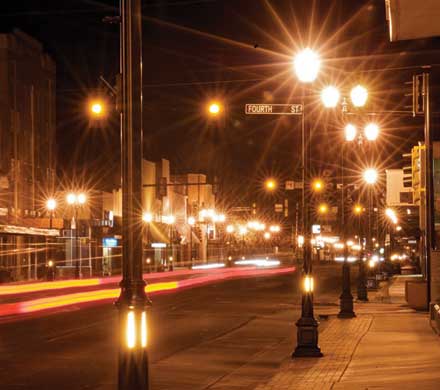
point(88, 297)
point(14, 289)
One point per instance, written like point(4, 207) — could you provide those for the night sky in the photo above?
point(234, 51)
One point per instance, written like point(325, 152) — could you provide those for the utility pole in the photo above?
point(132, 303)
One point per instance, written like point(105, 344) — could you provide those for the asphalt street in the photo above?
point(225, 335)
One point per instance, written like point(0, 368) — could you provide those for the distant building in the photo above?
point(27, 127)
point(27, 147)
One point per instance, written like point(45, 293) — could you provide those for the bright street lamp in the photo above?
point(330, 96)
point(81, 198)
point(358, 209)
point(230, 229)
point(391, 214)
point(51, 204)
point(317, 185)
point(359, 96)
point(370, 176)
point(147, 217)
point(191, 221)
point(323, 208)
point(306, 64)
point(214, 108)
point(270, 184)
point(71, 198)
point(371, 131)
point(350, 132)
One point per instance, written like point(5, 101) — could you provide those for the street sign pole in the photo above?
point(307, 326)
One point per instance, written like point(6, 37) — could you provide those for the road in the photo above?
point(226, 335)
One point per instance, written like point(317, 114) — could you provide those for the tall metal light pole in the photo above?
point(346, 299)
point(132, 303)
point(307, 65)
point(362, 293)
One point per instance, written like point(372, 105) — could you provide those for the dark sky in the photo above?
point(235, 51)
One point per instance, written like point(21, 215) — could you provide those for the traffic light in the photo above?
point(418, 155)
point(418, 94)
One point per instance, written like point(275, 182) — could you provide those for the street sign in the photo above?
point(316, 229)
point(274, 109)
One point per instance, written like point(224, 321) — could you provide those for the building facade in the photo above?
point(27, 143)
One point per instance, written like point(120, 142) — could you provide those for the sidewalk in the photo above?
point(387, 346)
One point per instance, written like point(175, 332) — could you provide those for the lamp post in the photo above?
point(306, 65)
point(191, 223)
point(370, 176)
point(362, 293)
point(147, 218)
point(76, 200)
point(170, 220)
point(132, 303)
point(346, 298)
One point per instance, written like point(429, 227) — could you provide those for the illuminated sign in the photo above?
point(109, 242)
point(158, 245)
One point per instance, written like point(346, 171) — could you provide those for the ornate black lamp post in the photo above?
point(307, 65)
point(132, 303)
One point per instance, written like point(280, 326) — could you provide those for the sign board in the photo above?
point(273, 109)
point(316, 229)
point(158, 245)
point(109, 242)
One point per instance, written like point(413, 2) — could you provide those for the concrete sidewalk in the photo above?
point(387, 346)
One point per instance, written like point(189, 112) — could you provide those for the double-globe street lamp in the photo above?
point(306, 66)
point(358, 96)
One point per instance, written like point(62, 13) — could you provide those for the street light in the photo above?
point(317, 185)
point(358, 209)
point(359, 96)
point(270, 184)
point(306, 64)
point(391, 214)
point(76, 200)
point(214, 108)
point(371, 131)
point(330, 96)
point(147, 217)
point(370, 175)
point(323, 208)
point(350, 132)
point(97, 108)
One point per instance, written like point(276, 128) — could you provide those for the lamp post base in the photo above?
point(307, 339)
point(346, 305)
point(346, 299)
point(362, 293)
